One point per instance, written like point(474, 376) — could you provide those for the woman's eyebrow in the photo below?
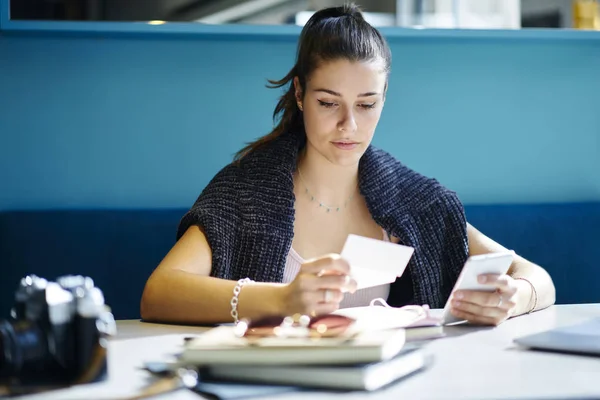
point(334, 93)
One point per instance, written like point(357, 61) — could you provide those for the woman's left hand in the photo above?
point(486, 308)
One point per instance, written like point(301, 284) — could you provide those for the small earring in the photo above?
point(300, 106)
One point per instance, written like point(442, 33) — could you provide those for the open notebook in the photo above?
point(419, 322)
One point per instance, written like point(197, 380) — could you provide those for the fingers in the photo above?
point(320, 285)
point(493, 311)
point(322, 296)
point(336, 282)
point(486, 307)
point(328, 272)
point(320, 301)
point(502, 297)
point(329, 264)
point(485, 299)
point(501, 282)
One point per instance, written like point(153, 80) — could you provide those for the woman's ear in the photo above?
point(297, 90)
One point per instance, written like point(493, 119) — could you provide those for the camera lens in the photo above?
point(23, 350)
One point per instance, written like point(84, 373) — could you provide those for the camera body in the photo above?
point(56, 335)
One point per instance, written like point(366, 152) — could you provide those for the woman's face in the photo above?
point(342, 104)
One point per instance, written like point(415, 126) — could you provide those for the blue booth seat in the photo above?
point(120, 248)
point(117, 248)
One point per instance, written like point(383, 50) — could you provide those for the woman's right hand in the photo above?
point(319, 286)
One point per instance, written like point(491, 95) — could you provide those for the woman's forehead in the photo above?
point(348, 76)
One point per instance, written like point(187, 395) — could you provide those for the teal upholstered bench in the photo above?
point(120, 248)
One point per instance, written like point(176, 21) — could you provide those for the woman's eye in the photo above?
point(325, 104)
point(366, 106)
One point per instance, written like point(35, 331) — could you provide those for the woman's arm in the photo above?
point(181, 290)
point(520, 268)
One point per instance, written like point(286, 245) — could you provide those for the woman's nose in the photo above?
point(348, 122)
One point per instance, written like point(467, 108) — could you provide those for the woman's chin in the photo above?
point(345, 158)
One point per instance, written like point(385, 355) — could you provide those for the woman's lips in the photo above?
point(345, 145)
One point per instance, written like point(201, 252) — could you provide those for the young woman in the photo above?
point(264, 236)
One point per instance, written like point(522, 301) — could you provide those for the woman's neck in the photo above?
point(331, 184)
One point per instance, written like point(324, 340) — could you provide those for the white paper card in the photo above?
point(375, 262)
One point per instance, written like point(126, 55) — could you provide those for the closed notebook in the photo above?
point(419, 322)
point(220, 345)
point(370, 376)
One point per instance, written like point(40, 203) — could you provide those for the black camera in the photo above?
point(56, 335)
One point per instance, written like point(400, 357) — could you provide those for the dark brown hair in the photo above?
point(330, 34)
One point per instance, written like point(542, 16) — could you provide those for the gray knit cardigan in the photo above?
point(247, 214)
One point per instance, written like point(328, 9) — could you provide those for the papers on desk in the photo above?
point(419, 322)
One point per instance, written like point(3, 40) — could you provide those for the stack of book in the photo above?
point(366, 360)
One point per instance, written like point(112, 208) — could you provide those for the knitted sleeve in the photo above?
point(455, 242)
point(216, 212)
point(438, 232)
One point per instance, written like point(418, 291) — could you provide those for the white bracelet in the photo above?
point(235, 299)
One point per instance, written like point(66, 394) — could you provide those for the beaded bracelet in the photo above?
point(235, 299)
point(533, 293)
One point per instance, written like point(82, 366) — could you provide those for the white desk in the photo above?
point(471, 363)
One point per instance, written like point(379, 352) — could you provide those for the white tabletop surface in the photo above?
point(470, 363)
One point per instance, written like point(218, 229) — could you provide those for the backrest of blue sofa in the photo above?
point(563, 238)
point(120, 248)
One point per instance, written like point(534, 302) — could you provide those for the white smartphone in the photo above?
point(492, 263)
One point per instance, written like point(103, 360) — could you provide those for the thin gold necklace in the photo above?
point(321, 204)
